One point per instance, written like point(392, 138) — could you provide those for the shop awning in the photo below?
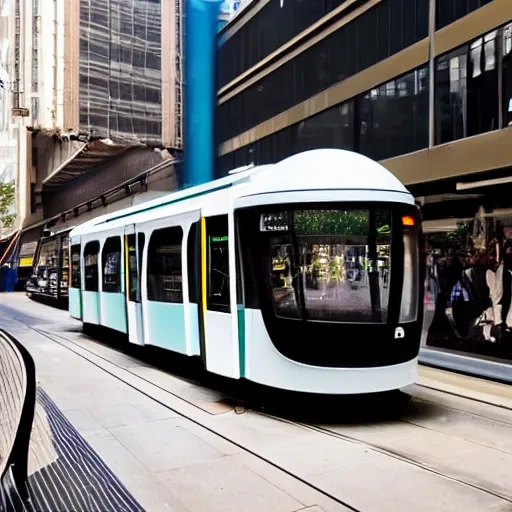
point(90, 155)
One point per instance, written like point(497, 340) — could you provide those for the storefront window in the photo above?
point(507, 75)
point(468, 287)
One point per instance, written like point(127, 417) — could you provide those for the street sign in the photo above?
point(20, 112)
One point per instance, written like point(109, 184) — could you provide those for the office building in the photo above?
point(423, 86)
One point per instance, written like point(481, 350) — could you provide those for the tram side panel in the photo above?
point(170, 319)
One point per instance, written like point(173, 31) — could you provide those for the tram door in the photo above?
point(133, 245)
point(220, 348)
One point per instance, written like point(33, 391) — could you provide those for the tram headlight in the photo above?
point(410, 287)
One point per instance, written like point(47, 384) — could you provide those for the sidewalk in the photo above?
point(439, 453)
point(166, 461)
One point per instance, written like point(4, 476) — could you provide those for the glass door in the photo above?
point(134, 245)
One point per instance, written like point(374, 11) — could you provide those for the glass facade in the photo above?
point(467, 87)
point(506, 47)
point(468, 298)
point(120, 69)
point(358, 45)
point(270, 28)
point(392, 117)
point(386, 121)
point(448, 11)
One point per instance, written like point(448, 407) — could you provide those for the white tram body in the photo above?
point(303, 275)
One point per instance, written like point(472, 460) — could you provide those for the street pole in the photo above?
point(200, 90)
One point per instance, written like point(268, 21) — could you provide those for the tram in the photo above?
point(303, 275)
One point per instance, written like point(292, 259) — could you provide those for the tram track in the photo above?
point(396, 455)
point(184, 414)
point(129, 376)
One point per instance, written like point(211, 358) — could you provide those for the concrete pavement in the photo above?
point(158, 432)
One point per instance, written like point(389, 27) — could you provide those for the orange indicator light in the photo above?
point(407, 220)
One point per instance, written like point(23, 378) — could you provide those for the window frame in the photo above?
point(155, 295)
point(464, 51)
point(117, 285)
point(215, 228)
point(96, 244)
point(139, 239)
point(76, 276)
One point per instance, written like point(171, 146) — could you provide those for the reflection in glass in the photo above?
point(411, 281)
point(164, 266)
point(75, 266)
point(282, 278)
point(340, 258)
point(507, 75)
point(393, 117)
point(91, 266)
point(341, 266)
point(450, 90)
point(218, 284)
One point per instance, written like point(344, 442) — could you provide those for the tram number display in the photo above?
point(274, 222)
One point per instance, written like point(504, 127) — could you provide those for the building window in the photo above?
point(482, 90)
point(375, 35)
point(466, 90)
point(75, 266)
point(448, 11)
point(111, 263)
point(393, 118)
point(34, 104)
point(35, 46)
point(332, 128)
point(507, 75)
point(165, 280)
point(91, 276)
point(384, 122)
point(134, 265)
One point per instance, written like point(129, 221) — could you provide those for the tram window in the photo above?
point(337, 262)
point(91, 251)
point(283, 279)
point(75, 266)
point(193, 277)
point(218, 264)
point(411, 283)
point(165, 280)
point(134, 266)
point(111, 264)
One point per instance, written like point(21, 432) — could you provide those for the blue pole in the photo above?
point(201, 19)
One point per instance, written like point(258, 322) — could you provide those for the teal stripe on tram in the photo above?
point(114, 311)
point(241, 338)
point(75, 303)
point(166, 323)
point(91, 307)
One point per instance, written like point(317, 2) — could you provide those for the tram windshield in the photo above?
point(330, 265)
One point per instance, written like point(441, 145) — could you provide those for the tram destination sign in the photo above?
point(274, 221)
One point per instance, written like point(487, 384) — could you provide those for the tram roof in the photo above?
point(320, 169)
